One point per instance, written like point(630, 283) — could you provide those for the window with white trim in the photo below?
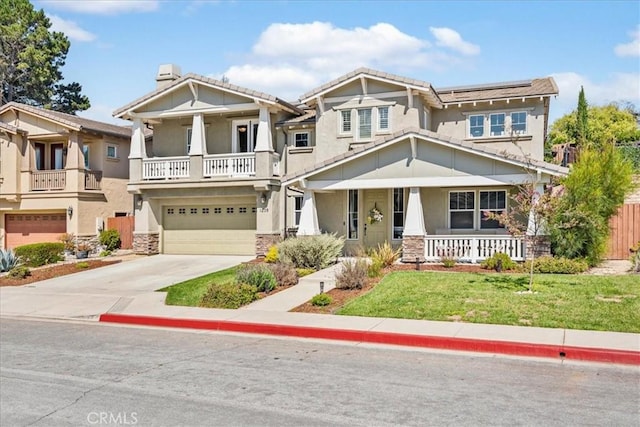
point(112, 151)
point(519, 123)
point(297, 210)
point(497, 124)
point(495, 202)
point(364, 123)
point(461, 209)
point(398, 212)
point(85, 154)
point(476, 126)
point(345, 122)
point(352, 215)
point(188, 139)
point(301, 139)
point(383, 119)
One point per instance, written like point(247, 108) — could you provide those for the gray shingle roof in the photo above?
point(309, 117)
point(536, 87)
point(217, 83)
point(535, 164)
point(74, 122)
point(8, 127)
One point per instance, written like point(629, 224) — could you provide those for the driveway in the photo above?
point(87, 294)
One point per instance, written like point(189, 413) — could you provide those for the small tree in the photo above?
point(582, 127)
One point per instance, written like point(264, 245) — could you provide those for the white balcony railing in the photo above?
point(165, 168)
point(237, 164)
point(473, 248)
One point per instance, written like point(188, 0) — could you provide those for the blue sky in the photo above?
point(287, 48)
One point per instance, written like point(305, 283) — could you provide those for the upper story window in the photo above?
point(345, 121)
point(497, 124)
point(85, 154)
point(383, 118)
point(519, 123)
point(301, 139)
point(476, 126)
point(189, 133)
point(364, 123)
point(245, 134)
point(112, 151)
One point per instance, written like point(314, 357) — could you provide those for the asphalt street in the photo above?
point(64, 373)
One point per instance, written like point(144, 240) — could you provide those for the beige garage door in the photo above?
point(219, 229)
point(23, 229)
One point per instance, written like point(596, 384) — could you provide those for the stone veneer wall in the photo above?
point(412, 248)
point(91, 240)
point(264, 242)
point(146, 243)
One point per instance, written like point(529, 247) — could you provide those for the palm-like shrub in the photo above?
point(8, 260)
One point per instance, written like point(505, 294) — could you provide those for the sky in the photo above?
point(287, 48)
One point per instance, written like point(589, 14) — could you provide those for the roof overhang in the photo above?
point(52, 119)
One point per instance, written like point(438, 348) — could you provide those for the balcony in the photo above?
point(92, 180)
point(473, 248)
point(213, 166)
point(243, 164)
point(48, 180)
point(165, 168)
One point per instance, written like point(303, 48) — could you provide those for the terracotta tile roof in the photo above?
point(525, 88)
point(9, 128)
point(213, 82)
point(453, 142)
point(74, 122)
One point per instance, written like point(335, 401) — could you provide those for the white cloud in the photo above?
point(633, 47)
point(290, 59)
point(70, 29)
point(619, 87)
point(446, 37)
point(103, 7)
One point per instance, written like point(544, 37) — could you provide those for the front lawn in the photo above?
point(604, 303)
point(190, 292)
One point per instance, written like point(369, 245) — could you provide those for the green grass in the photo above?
point(603, 303)
point(190, 292)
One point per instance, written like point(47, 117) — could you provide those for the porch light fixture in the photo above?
point(70, 211)
point(263, 198)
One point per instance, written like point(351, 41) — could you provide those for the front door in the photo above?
point(375, 232)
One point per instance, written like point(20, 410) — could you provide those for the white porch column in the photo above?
point(531, 226)
point(414, 223)
point(264, 139)
point(308, 225)
point(198, 137)
point(138, 149)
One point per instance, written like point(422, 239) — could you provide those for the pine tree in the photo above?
point(582, 128)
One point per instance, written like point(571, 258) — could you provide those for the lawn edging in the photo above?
point(559, 351)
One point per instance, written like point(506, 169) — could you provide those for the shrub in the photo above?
point(374, 269)
point(315, 252)
point(321, 300)
point(304, 271)
point(552, 265)
point(228, 295)
point(69, 241)
point(272, 255)
point(20, 272)
point(285, 274)
point(257, 275)
point(83, 264)
point(38, 254)
point(110, 239)
point(105, 253)
point(448, 262)
point(635, 258)
point(8, 260)
point(499, 261)
point(385, 255)
point(353, 274)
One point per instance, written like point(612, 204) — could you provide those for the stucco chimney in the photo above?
point(166, 74)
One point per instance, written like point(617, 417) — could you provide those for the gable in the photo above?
point(182, 99)
point(33, 124)
point(354, 88)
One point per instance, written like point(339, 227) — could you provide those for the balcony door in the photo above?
point(39, 150)
point(57, 159)
point(245, 133)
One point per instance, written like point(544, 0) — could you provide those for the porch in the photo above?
point(473, 248)
point(57, 179)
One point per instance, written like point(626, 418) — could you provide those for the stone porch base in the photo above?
point(412, 248)
point(265, 241)
point(146, 243)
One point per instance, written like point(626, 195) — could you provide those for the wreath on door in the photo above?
point(375, 215)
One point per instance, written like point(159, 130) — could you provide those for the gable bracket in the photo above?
point(320, 100)
point(194, 90)
point(414, 147)
point(363, 82)
point(409, 97)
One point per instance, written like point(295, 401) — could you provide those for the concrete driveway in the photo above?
point(87, 294)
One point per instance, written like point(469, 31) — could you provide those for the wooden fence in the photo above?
point(625, 231)
point(124, 225)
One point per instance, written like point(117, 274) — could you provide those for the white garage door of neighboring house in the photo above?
point(23, 229)
point(216, 229)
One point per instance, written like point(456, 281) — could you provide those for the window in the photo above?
point(205, 211)
point(229, 210)
point(476, 126)
point(85, 154)
point(345, 121)
point(398, 212)
point(170, 211)
point(301, 139)
point(364, 123)
point(519, 123)
point(383, 118)
point(112, 151)
point(242, 210)
point(39, 151)
point(189, 133)
point(352, 215)
point(297, 210)
point(461, 209)
point(492, 201)
point(217, 210)
point(497, 124)
point(182, 211)
point(193, 211)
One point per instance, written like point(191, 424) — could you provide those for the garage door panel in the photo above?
point(24, 229)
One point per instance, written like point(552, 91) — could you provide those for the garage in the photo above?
point(212, 229)
point(23, 229)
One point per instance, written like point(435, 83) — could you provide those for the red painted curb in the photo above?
point(445, 343)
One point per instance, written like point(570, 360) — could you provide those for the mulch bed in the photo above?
point(57, 270)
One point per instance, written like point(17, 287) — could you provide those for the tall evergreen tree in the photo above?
point(582, 128)
point(31, 57)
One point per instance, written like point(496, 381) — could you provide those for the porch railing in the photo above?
point(48, 180)
point(229, 165)
point(92, 180)
point(165, 168)
point(473, 248)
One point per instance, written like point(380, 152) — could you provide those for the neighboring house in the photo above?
point(231, 170)
point(59, 173)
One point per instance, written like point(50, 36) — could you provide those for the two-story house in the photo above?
point(371, 156)
point(59, 173)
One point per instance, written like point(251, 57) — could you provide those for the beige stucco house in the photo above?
point(371, 156)
point(59, 173)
